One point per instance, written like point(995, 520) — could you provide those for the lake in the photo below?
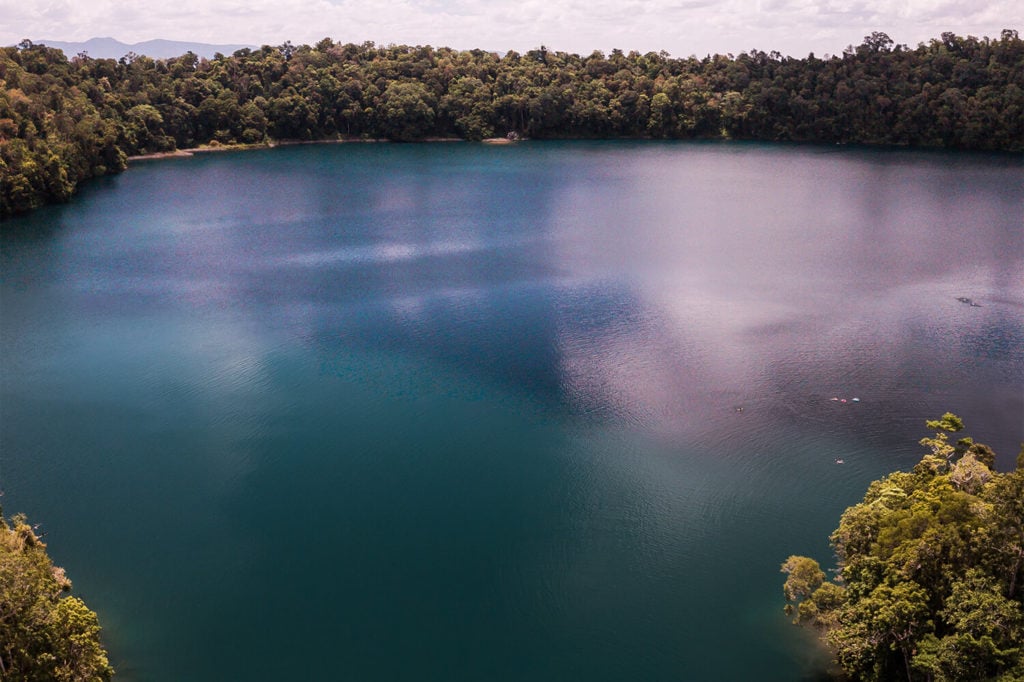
point(547, 411)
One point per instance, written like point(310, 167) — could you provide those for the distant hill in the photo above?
point(108, 48)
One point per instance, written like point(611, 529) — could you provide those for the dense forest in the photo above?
point(44, 633)
point(63, 121)
point(930, 581)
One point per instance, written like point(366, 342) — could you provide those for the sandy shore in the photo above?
point(161, 155)
point(210, 149)
point(180, 153)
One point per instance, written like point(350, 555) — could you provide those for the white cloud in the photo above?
point(681, 27)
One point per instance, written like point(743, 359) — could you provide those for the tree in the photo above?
point(930, 564)
point(804, 576)
point(44, 634)
point(63, 122)
point(878, 42)
point(661, 121)
point(469, 104)
point(406, 111)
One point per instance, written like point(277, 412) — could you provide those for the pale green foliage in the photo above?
point(44, 635)
point(947, 422)
point(803, 577)
point(969, 475)
point(940, 447)
point(74, 636)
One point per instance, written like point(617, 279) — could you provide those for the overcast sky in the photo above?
point(680, 27)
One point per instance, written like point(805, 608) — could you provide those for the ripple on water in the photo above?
point(468, 413)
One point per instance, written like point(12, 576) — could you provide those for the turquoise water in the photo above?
point(456, 412)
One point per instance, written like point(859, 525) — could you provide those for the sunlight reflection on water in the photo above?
point(550, 411)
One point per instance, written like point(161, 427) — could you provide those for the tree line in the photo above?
point(930, 579)
point(64, 120)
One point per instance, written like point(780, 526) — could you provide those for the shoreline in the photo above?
point(212, 149)
point(192, 151)
point(502, 141)
point(208, 149)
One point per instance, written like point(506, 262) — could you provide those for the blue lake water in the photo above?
point(547, 411)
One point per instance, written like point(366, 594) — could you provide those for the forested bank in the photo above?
point(63, 121)
point(44, 633)
point(930, 580)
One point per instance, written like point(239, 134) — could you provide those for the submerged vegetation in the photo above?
point(63, 121)
point(930, 582)
point(44, 633)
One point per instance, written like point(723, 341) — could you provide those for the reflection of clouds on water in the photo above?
point(217, 374)
point(601, 355)
point(683, 289)
point(618, 361)
point(660, 287)
point(374, 253)
point(756, 302)
point(587, 393)
point(682, 361)
point(385, 252)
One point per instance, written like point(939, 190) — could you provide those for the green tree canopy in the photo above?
point(45, 635)
point(64, 121)
point(929, 573)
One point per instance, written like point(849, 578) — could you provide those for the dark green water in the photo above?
point(456, 412)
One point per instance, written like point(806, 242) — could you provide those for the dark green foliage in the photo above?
point(56, 128)
point(62, 122)
point(931, 565)
point(406, 111)
point(44, 634)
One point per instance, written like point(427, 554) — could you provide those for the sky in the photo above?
point(679, 27)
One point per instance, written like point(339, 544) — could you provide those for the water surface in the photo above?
point(455, 412)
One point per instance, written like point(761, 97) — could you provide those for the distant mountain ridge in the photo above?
point(109, 48)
